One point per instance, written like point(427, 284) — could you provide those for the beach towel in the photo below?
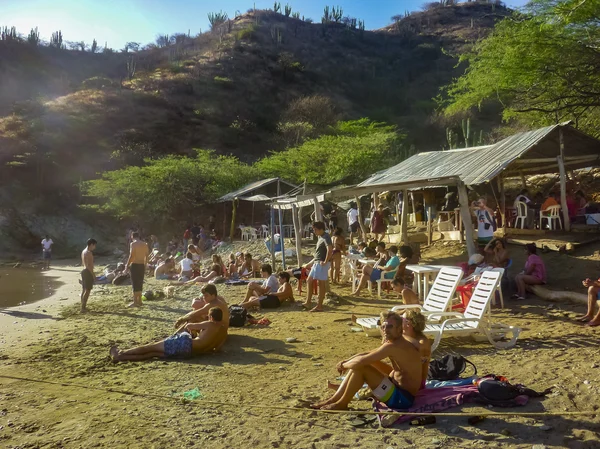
point(432, 400)
point(239, 282)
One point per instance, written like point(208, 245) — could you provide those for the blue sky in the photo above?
point(120, 21)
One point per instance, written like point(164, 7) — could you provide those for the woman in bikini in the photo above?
point(339, 249)
point(215, 271)
point(497, 254)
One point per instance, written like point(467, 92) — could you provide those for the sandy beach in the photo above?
point(58, 387)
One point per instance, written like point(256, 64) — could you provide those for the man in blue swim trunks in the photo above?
point(191, 339)
point(396, 389)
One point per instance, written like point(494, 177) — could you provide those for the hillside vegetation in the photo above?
point(258, 83)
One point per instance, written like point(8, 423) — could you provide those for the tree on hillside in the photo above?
point(317, 110)
point(166, 189)
point(163, 40)
point(94, 47)
point(543, 66)
point(353, 151)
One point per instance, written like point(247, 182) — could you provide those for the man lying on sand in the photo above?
point(593, 296)
point(203, 305)
point(209, 336)
point(272, 300)
point(397, 389)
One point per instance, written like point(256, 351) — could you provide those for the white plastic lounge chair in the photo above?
point(472, 321)
point(438, 299)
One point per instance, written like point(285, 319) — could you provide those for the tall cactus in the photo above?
point(8, 34)
point(326, 15)
point(56, 40)
point(287, 10)
point(131, 67)
point(296, 15)
point(34, 36)
point(466, 129)
point(337, 13)
point(277, 7)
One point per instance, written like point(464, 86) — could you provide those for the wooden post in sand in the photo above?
point(318, 214)
point(563, 182)
point(465, 214)
point(298, 234)
point(233, 213)
point(404, 218)
point(361, 220)
point(502, 204)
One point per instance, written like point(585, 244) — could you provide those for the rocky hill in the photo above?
point(66, 116)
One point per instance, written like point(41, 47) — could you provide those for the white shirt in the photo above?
point(186, 264)
point(271, 283)
point(352, 216)
point(47, 244)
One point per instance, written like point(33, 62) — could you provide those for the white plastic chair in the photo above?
point(472, 321)
point(253, 234)
point(264, 231)
point(521, 214)
point(383, 279)
point(552, 217)
point(438, 299)
point(245, 233)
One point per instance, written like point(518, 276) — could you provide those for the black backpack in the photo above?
point(449, 367)
point(237, 316)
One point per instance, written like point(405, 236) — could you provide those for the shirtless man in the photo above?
point(209, 336)
point(413, 324)
point(272, 300)
point(202, 306)
point(249, 267)
point(396, 389)
point(87, 274)
point(164, 270)
point(138, 259)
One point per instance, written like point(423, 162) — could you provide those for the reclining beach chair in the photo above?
point(438, 299)
point(472, 321)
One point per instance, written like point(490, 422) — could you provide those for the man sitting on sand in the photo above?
point(593, 296)
point(202, 305)
point(249, 267)
point(397, 389)
point(269, 284)
point(272, 300)
point(413, 324)
point(164, 271)
point(209, 336)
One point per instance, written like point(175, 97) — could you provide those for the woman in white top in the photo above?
point(186, 267)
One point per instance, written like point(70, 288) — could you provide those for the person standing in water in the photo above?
point(138, 259)
point(47, 252)
point(87, 274)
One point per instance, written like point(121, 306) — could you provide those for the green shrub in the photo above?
point(248, 33)
point(223, 81)
point(97, 82)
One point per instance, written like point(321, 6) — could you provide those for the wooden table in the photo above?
point(423, 275)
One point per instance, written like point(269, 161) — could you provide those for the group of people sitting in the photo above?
point(538, 205)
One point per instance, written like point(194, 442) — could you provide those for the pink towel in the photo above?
point(431, 400)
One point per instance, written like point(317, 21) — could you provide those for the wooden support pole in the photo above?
point(318, 214)
point(272, 229)
point(429, 226)
point(233, 213)
point(361, 220)
point(465, 213)
point(404, 218)
point(281, 230)
point(523, 183)
point(563, 182)
point(502, 202)
point(412, 204)
point(298, 234)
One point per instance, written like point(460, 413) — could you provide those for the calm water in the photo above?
point(24, 285)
